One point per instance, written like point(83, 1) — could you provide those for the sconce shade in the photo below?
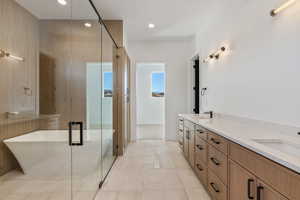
point(215, 55)
point(4, 54)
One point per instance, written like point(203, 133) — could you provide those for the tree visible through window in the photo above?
point(107, 84)
point(158, 84)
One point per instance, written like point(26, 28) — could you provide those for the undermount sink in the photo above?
point(280, 145)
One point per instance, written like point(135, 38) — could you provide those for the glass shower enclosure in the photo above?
point(76, 82)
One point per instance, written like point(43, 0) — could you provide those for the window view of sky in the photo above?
point(158, 84)
point(107, 84)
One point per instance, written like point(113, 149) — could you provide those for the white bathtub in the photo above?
point(47, 154)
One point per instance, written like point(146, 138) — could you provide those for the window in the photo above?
point(158, 84)
point(107, 84)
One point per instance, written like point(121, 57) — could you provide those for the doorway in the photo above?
point(150, 101)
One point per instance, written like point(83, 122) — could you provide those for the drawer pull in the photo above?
point(215, 161)
point(180, 143)
point(187, 134)
point(198, 166)
point(259, 192)
point(181, 130)
point(199, 147)
point(214, 141)
point(199, 131)
point(213, 185)
point(249, 188)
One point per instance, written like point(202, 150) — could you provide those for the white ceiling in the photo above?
point(174, 19)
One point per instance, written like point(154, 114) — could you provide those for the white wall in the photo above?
point(175, 55)
point(260, 77)
point(150, 110)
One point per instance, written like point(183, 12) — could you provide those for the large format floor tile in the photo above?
point(152, 169)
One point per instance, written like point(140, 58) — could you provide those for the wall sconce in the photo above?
point(274, 12)
point(4, 54)
point(215, 55)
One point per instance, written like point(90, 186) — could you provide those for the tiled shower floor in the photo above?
point(17, 186)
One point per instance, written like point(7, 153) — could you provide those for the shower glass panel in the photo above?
point(63, 146)
point(85, 99)
point(108, 139)
point(56, 94)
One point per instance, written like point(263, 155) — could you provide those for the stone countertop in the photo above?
point(244, 131)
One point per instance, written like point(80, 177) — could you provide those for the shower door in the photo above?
point(91, 84)
point(85, 88)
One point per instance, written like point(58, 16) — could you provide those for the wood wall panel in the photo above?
point(115, 27)
point(19, 36)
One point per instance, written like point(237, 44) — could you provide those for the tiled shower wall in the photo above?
point(7, 160)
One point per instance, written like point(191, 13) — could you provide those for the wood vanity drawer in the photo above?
point(180, 139)
point(278, 177)
point(180, 128)
point(190, 125)
point(219, 142)
point(218, 163)
point(215, 187)
point(201, 171)
point(180, 124)
point(202, 133)
point(180, 120)
point(200, 149)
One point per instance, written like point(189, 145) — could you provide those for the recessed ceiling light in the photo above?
point(88, 25)
point(151, 25)
point(62, 2)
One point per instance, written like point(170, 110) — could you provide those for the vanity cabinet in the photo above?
point(244, 185)
point(283, 180)
point(231, 172)
point(186, 133)
point(180, 133)
point(192, 148)
point(265, 192)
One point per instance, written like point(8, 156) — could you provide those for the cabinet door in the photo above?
point(264, 192)
point(186, 143)
point(192, 148)
point(242, 184)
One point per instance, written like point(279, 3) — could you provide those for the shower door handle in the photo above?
point(71, 143)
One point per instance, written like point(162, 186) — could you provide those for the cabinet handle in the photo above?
point(249, 188)
point(213, 185)
point(199, 147)
point(199, 131)
point(215, 161)
point(259, 191)
point(181, 130)
point(71, 124)
point(198, 166)
point(188, 134)
point(214, 141)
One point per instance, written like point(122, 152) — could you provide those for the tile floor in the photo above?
point(153, 132)
point(152, 170)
